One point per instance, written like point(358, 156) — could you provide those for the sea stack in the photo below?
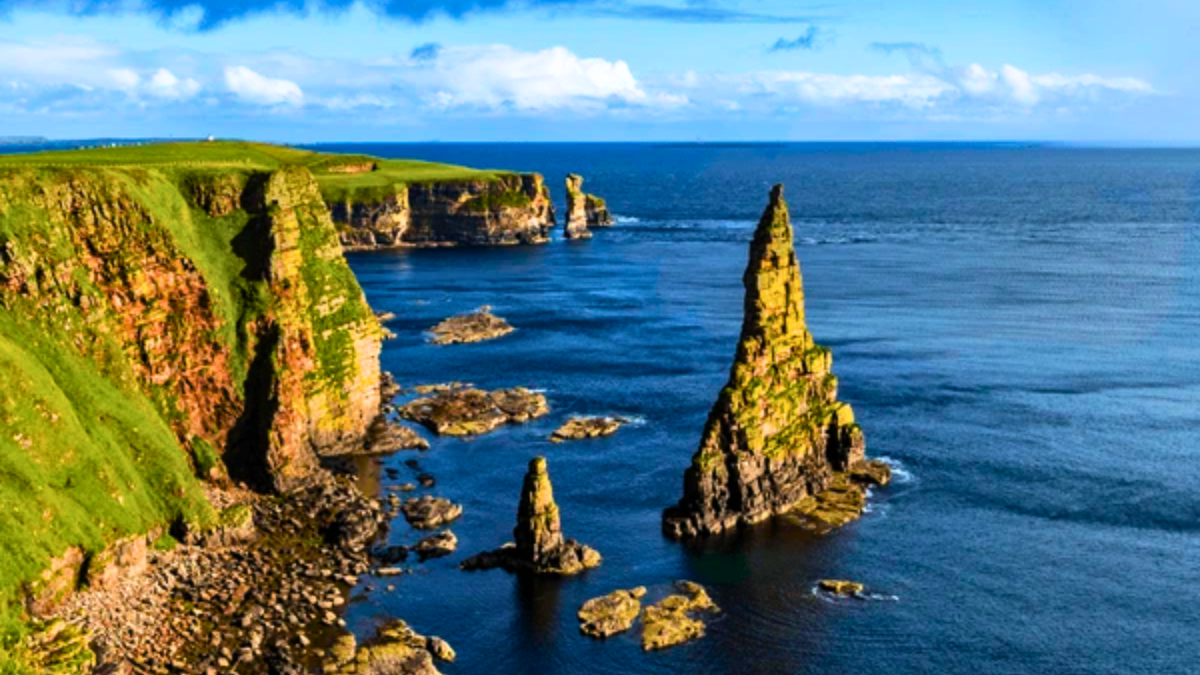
point(777, 433)
point(584, 211)
point(539, 547)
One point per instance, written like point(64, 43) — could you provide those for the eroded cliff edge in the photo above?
point(777, 432)
point(507, 209)
point(164, 324)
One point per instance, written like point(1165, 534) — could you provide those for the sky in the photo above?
point(602, 70)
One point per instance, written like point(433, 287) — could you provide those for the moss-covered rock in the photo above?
point(611, 614)
point(777, 432)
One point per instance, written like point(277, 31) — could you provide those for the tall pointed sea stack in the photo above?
point(777, 432)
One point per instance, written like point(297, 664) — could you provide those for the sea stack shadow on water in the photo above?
point(777, 433)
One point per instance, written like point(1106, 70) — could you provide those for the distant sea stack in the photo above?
point(777, 432)
point(507, 210)
point(584, 211)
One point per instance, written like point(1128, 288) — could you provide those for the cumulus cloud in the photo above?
point(501, 77)
point(164, 84)
point(255, 88)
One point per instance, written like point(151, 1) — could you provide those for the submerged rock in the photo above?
point(611, 614)
point(539, 547)
point(672, 620)
point(468, 411)
point(578, 428)
point(841, 587)
point(474, 326)
point(777, 433)
point(427, 512)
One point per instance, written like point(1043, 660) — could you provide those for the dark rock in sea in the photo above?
point(578, 428)
point(539, 547)
point(385, 437)
point(777, 433)
point(392, 555)
point(426, 480)
point(474, 326)
point(427, 512)
point(436, 546)
point(469, 411)
point(611, 614)
point(675, 619)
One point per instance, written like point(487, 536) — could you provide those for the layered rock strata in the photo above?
point(509, 209)
point(540, 547)
point(777, 433)
point(584, 211)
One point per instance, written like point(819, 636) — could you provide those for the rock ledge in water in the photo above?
point(474, 326)
point(611, 614)
point(427, 512)
point(578, 428)
point(672, 621)
point(845, 589)
point(468, 411)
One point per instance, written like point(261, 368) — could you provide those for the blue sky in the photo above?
point(531, 70)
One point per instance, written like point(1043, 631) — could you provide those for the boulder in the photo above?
point(841, 587)
point(436, 546)
point(428, 512)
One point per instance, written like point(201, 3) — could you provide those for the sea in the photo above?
point(1017, 327)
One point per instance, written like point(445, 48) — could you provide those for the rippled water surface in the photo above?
point(1016, 327)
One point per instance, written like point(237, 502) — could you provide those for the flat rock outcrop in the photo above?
point(395, 649)
point(506, 210)
point(611, 614)
point(777, 433)
point(677, 618)
point(584, 211)
point(540, 547)
point(578, 428)
point(468, 411)
point(474, 326)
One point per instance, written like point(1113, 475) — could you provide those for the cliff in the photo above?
point(777, 432)
point(584, 211)
point(506, 209)
point(170, 314)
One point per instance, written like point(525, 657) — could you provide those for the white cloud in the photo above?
point(165, 85)
point(501, 77)
point(254, 88)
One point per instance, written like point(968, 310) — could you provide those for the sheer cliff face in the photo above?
point(777, 431)
point(511, 209)
point(221, 298)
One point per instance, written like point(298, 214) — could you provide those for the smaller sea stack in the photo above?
point(539, 547)
point(584, 211)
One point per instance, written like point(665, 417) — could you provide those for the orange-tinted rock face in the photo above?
point(511, 209)
point(287, 369)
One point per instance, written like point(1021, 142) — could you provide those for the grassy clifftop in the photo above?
point(370, 185)
point(167, 313)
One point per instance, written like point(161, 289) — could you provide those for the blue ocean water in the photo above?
point(1015, 326)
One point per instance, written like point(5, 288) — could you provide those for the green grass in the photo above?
point(373, 186)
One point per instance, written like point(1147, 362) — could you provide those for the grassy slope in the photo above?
point(367, 187)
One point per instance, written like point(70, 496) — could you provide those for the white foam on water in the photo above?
point(900, 473)
point(627, 219)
